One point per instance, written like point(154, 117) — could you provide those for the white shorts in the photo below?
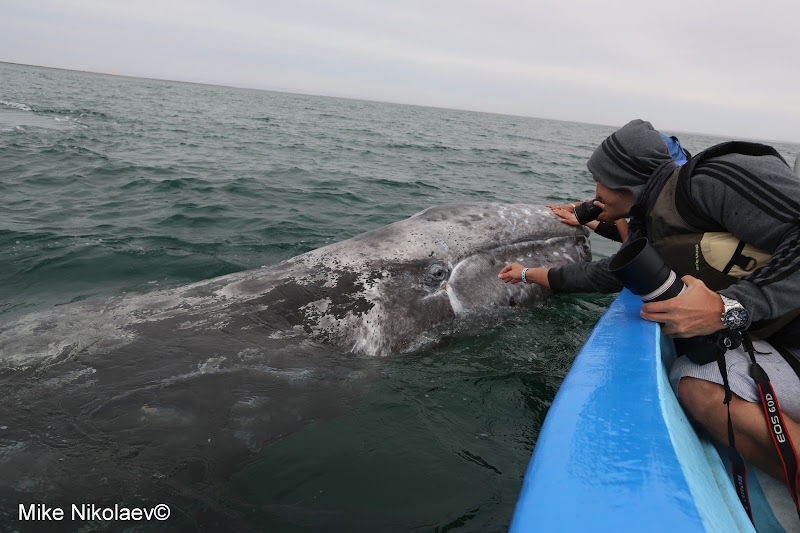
point(783, 378)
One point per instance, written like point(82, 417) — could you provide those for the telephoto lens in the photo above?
point(587, 211)
point(643, 271)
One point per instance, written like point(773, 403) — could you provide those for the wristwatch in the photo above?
point(734, 316)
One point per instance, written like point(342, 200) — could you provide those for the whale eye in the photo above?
point(436, 274)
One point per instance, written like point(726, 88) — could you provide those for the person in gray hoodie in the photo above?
point(743, 189)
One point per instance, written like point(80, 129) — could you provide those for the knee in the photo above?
point(702, 399)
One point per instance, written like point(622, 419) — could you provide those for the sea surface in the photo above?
point(112, 185)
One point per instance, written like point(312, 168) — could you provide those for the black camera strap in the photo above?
point(772, 412)
point(738, 465)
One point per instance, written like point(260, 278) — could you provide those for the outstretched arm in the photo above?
point(616, 231)
point(513, 274)
point(574, 277)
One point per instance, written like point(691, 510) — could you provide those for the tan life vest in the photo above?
point(719, 259)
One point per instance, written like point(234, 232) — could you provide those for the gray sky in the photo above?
point(728, 67)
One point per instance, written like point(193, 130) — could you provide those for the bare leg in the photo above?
point(703, 401)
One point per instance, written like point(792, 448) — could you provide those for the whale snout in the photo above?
point(474, 287)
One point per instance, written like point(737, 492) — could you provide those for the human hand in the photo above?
point(567, 216)
point(696, 311)
point(513, 274)
point(567, 207)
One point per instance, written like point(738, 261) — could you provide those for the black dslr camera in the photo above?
point(587, 211)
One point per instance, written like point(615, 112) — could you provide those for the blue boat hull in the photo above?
point(616, 452)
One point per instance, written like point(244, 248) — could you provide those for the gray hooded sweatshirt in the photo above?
point(757, 198)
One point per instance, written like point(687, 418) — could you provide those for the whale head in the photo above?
point(405, 285)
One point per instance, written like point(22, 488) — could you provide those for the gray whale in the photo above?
point(152, 395)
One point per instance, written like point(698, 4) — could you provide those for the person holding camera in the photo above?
point(728, 222)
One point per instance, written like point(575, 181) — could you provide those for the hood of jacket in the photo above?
point(628, 158)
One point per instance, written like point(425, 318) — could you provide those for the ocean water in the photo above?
point(112, 185)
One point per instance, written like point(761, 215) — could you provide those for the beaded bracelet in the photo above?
point(524, 271)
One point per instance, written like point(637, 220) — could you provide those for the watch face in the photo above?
point(736, 318)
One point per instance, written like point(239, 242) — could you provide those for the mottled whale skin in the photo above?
point(379, 293)
point(177, 386)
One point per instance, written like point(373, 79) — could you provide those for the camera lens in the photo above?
point(587, 211)
point(644, 272)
